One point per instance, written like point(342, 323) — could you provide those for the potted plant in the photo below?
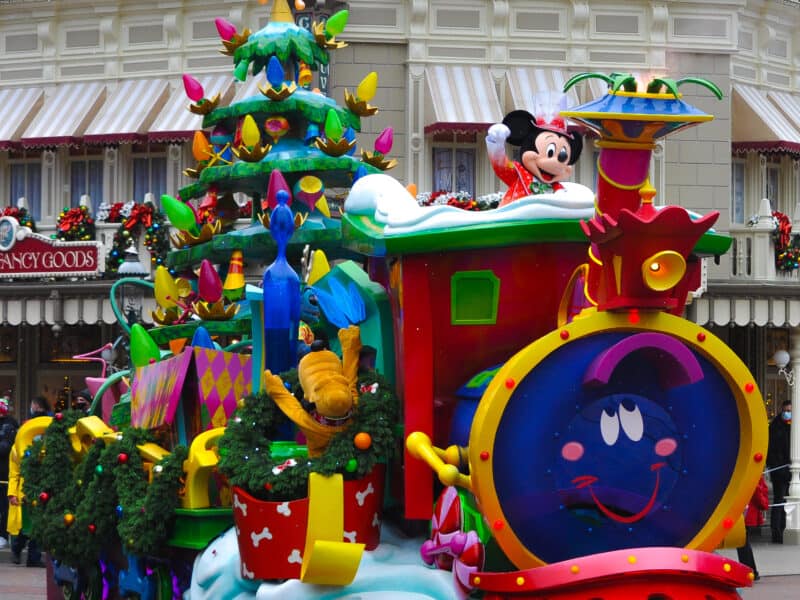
point(269, 475)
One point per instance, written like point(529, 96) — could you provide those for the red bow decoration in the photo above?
point(784, 231)
point(72, 218)
point(140, 213)
point(278, 469)
point(115, 213)
point(364, 388)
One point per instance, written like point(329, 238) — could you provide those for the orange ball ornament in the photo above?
point(362, 440)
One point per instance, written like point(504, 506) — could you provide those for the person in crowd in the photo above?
point(40, 407)
point(82, 401)
point(778, 459)
point(753, 519)
point(16, 499)
point(8, 431)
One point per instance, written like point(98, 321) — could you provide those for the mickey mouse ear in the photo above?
point(520, 122)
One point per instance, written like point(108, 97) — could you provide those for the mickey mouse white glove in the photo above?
point(496, 142)
point(498, 133)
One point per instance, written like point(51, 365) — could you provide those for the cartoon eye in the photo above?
point(609, 427)
point(563, 156)
point(550, 150)
point(631, 419)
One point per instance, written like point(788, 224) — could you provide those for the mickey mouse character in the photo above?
point(547, 152)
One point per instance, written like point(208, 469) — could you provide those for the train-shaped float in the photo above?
point(521, 378)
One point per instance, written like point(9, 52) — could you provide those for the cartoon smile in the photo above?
point(546, 176)
point(586, 481)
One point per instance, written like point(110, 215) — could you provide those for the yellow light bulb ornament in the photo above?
point(333, 126)
point(366, 89)
point(251, 136)
point(166, 289)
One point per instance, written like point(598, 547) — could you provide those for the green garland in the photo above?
point(245, 457)
point(103, 498)
point(75, 225)
point(156, 237)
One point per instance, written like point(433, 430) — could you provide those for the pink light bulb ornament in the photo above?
point(277, 182)
point(209, 284)
point(193, 88)
point(225, 28)
point(383, 143)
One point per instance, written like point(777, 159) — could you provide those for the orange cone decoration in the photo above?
point(233, 288)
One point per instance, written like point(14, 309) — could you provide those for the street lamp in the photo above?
point(133, 297)
point(781, 358)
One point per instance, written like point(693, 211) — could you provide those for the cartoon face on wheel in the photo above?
point(620, 462)
point(615, 440)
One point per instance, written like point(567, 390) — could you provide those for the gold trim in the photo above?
point(619, 186)
point(658, 96)
point(609, 116)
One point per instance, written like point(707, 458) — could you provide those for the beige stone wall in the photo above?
point(698, 160)
point(349, 66)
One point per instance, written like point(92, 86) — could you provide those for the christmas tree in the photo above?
point(288, 127)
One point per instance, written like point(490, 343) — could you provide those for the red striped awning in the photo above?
point(758, 125)
point(175, 122)
point(128, 112)
point(68, 109)
point(18, 107)
point(462, 98)
point(526, 83)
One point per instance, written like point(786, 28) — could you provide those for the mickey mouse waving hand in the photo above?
point(547, 151)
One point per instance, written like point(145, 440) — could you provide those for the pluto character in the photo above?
point(330, 389)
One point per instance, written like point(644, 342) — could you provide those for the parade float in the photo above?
point(542, 367)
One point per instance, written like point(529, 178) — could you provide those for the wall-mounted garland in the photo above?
point(135, 219)
point(75, 225)
point(22, 216)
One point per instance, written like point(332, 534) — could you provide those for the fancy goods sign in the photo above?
point(26, 254)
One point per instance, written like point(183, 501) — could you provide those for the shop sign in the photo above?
point(24, 254)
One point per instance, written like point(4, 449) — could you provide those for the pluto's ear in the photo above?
point(521, 124)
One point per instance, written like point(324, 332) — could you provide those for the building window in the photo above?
point(474, 297)
point(737, 191)
point(149, 176)
point(454, 170)
point(86, 178)
point(26, 182)
point(773, 181)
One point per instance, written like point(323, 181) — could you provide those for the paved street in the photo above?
point(779, 566)
point(18, 582)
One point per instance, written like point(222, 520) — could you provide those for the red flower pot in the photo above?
point(272, 535)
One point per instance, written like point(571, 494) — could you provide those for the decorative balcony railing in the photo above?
point(753, 255)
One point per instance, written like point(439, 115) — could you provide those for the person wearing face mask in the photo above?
point(39, 407)
point(778, 459)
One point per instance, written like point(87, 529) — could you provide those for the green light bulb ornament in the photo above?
point(143, 349)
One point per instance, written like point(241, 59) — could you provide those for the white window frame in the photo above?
point(454, 148)
point(740, 165)
point(33, 204)
point(149, 156)
point(76, 191)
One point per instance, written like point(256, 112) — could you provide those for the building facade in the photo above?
point(93, 107)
